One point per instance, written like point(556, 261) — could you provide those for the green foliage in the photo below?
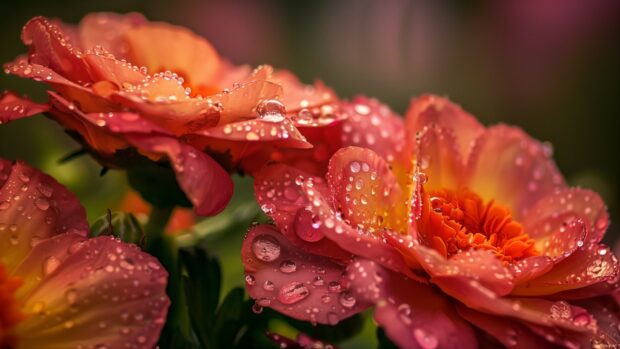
point(122, 225)
point(384, 341)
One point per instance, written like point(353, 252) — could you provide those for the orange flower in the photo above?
point(482, 233)
point(122, 83)
point(59, 289)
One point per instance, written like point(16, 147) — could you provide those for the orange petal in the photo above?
point(510, 167)
point(161, 47)
point(97, 292)
point(107, 30)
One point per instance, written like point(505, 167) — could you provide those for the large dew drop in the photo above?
point(292, 293)
point(266, 248)
point(271, 110)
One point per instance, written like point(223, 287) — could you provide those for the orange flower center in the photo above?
point(453, 221)
point(10, 313)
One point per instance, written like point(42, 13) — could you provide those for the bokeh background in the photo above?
point(549, 66)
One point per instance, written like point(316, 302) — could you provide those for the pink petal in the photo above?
point(412, 314)
point(366, 191)
point(475, 295)
point(530, 268)
point(298, 284)
point(277, 189)
point(207, 185)
point(508, 332)
point(587, 266)
point(298, 96)
point(99, 292)
point(508, 166)
point(33, 206)
point(373, 125)
point(108, 30)
point(438, 158)
point(429, 110)
point(476, 265)
point(563, 238)
point(13, 107)
point(555, 209)
point(49, 48)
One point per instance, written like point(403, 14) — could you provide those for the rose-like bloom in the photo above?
point(482, 235)
point(59, 289)
point(122, 83)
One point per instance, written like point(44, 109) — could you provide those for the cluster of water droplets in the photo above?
point(291, 281)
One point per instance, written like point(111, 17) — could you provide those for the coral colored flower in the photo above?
point(483, 235)
point(59, 289)
point(180, 220)
point(120, 82)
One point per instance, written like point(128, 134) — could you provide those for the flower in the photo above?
point(480, 233)
point(125, 86)
point(59, 289)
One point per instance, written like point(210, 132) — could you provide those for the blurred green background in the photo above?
point(549, 66)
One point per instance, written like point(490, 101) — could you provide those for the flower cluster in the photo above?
point(457, 234)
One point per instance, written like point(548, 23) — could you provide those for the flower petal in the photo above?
point(301, 285)
point(590, 265)
point(299, 96)
point(278, 190)
point(412, 314)
point(508, 166)
point(373, 125)
point(428, 110)
point(101, 292)
point(33, 206)
point(161, 47)
point(13, 107)
point(508, 332)
point(49, 47)
point(366, 191)
point(206, 184)
point(476, 265)
point(555, 209)
point(360, 242)
point(438, 158)
point(107, 30)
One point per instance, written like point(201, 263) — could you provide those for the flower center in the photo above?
point(10, 313)
point(453, 221)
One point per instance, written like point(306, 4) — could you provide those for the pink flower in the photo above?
point(59, 289)
point(122, 83)
point(473, 231)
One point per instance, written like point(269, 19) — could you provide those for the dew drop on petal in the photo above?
point(266, 248)
point(50, 265)
point(426, 340)
point(288, 266)
point(292, 293)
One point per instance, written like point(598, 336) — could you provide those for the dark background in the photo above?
point(549, 66)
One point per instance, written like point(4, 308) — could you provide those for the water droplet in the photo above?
point(334, 286)
point(306, 226)
point(293, 293)
point(560, 310)
point(269, 286)
point(250, 280)
point(347, 300)
point(582, 319)
point(271, 110)
point(426, 340)
point(355, 167)
point(288, 266)
point(266, 248)
point(50, 265)
point(42, 204)
point(71, 296)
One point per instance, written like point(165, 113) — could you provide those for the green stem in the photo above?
point(156, 225)
point(164, 248)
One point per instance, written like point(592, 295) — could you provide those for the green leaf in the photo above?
point(157, 184)
point(123, 225)
point(229, 319)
